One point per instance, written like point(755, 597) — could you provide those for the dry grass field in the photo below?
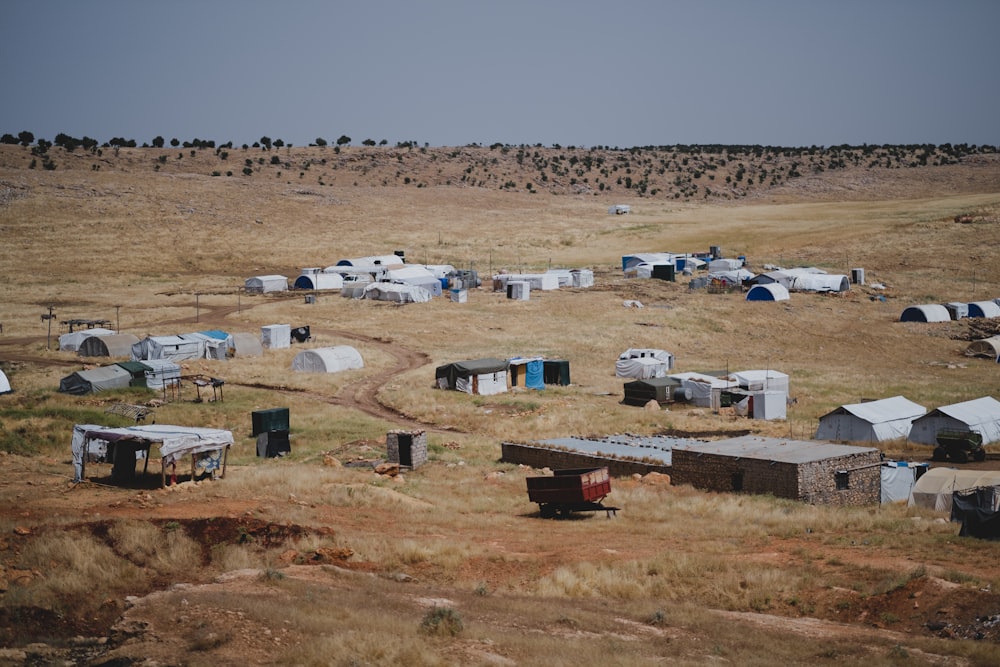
point(307, 560)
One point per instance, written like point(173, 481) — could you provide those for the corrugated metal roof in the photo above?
point(775, 449)
point(625, 446)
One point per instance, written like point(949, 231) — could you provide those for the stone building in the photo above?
point(407, 448)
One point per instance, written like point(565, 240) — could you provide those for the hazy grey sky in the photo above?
point(452, 72)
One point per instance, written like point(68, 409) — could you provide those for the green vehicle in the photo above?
point(959, 446)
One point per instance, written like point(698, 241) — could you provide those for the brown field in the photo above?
point(307, 561)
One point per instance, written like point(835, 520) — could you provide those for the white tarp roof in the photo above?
point(270, 283)
point(757, 380)
point(328, 359)
point(397, 292)
point(981, 415)
point(319, 280)
point(898, 478)
point(247, 345)
point(537, 281)
point(276, 336)
point(928, 312)
point(174, 441)
point(644, 363)
point(872, 421)
point(372, 260)
point(70, 342)
point(820, 282)
point(984, 309)
point(162, 372)
point(935, 487)
point(174, 348)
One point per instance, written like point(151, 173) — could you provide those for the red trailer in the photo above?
point(571, 490)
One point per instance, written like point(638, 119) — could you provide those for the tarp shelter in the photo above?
point(162, 374)
point(768, 292)
point(643, 363)
point(898, 478)
point(317, 279)
point(663, 390)
point(328, 359)
point(137, 370)
point(123, 446)
point(977, 511)
point(820, 282)
point(217, 343)
point(773, 278)
point(397, 293)
point(761, 380)
point(632, 261)
point(706, 390)
point(556, 371)
point(980, 415)
point(246, 345)
point(980, 309)
point(4, 384)
point(935, 488)
point(70, 342)
point(108, 345)
point(620, 209)
point(265, 284)
point(95, 380)
point(276, 336)
point(760, 404)
point(928, 312)
point(416, 275)
point(582, 277)
point(529, 371)
point(871, 421)
point(538, 281)
point(736, 277)
point(173, 348)
point(724, 264)
point(373, 260)
point(986, 347)
point(476, 376)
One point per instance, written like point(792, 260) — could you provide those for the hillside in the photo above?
point(316, 559)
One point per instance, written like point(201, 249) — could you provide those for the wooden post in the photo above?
point(193, 461)
point(163, 473)
point(225, 459)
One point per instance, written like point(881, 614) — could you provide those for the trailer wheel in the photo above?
point(979, 455)
point(960, 456)
point(547, 511)
point(939, 454)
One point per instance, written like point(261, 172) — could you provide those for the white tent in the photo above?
point(317, 279)
point(984, 309)
point(767, 292)
point(174, 348)
point(4, 384)
point(928, 312)
point(643, 363)
point(162, 373)
point(986, 347)
point(70, 342)
point(705, 389)
point(898, 478)
point(397, 293)
point(538, 281)
point(582, 277)
point(820, 282)
point(725, 264)
point(328, 359)
point(414, 274)
point(265, 284)
point(484, 377)
point(276, 336)
point(247, 345)
point(935, 487)
point(980, 415)
point(217, 343)
point(373, 260)
point(565, 276)
point(872, 421)
point(634, 260)
point(107, 345)
point(761, 380)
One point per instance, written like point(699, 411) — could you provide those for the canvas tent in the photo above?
point(70, 342)
point(217, 343)
point(820, 282)
point(871, 421)
point(724, 264)
point(173, 348)
point(477, 376)
point(768, 292)
point(898, 478)
point(4, 384)
point(328, 359)
point(95, 380)
point(397, 293)
point(643, 363)
point(537, 281)
point(417, 275)
point(317, 279)
point(632, 261)
point(928, 312)
point(987, 309)
point(276, 336)
point(706, 390)
point(935, 488)
point(246, 345)
point(109, 345)
point(265, 284)
point(980, 415)
point(986, 347)
point(162, 374)
point(123, 446)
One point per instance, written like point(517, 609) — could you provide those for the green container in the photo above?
point(273, 419)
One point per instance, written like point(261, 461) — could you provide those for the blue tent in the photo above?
point(534, 372)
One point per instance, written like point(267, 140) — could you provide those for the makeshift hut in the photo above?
point(582, 277)
point(163, 374)
point(173, 348)
point(217, 343)
point(276, 336)
point(537, 281)
point(137, 370)
point(643, 363)
point(935, 488)
point(397, 293)
point(634, 260)
point(980, 415)
point(207, 447)
point(706, 390)
point(898, 478)
point(820, 282)
point(318, 279)
point(724, 264)
point(986, 347)
point(328, 359)
point(768, 292)
point(107, 345)
point(265, 284)
point(477, 376)
point(527, 371)
point(70, 342)
point(94, 380)
point(416, 275)
point(4, 384)
point(871, 421)
point(620, 209)
point(928, 312)
point(772, 277)
point(987, 309)
point(978, 510)
point(663, 390)
point(761, 380)
point(246, 345)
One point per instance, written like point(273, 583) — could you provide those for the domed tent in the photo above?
point(930, 312)
point(317, 279)
point(70, 342)
point(328, 359)
point(4, 384)
point(95, 380)
point(986, 347)
point(111, 345)
point(768, 292)
point(983, 309)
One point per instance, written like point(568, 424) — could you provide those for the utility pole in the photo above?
point(197, 306)
point(48, 318)
point(118, 321)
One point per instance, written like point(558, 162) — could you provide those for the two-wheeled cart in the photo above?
point(571, 490)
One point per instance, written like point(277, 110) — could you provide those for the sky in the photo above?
point(617, 73)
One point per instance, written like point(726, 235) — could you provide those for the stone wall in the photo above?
point(418, 447)
point(558, 459)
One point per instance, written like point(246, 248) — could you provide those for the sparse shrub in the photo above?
point(442, 622)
